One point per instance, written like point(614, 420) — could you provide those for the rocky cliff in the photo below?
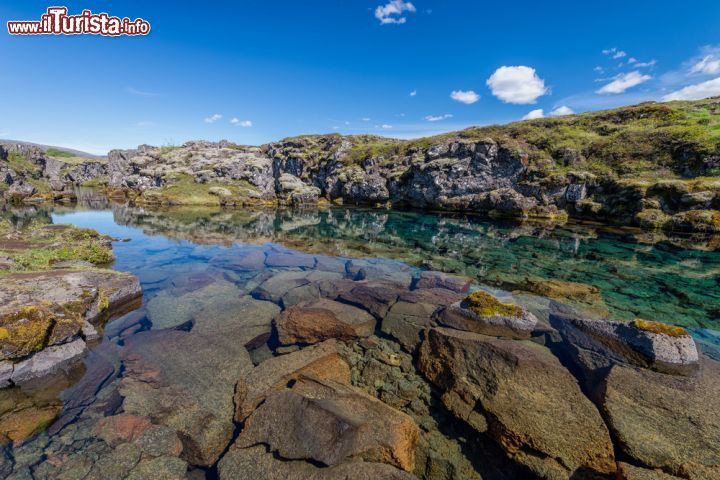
point(32, 173)
point(651, 165)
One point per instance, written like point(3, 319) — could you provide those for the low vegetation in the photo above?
point(38, 247)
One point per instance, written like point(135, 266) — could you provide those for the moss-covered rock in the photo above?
point(485, 305)
point(652, 218)
point(696, 221)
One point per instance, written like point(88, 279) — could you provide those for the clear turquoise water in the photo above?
point(674, 280)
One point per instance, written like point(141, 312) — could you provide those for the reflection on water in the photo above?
point(178, 253)
point(673, 280)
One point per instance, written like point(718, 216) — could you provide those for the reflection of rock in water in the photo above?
point(629, 275)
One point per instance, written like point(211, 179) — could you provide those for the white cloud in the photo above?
point(413, 93)
point(651, 63)
point(437, 118)
point(632, 60)
point(516, 85)
point(560, 111)
point(465, 96)
point(623, 82)
point(708, 65)
point(619, 54)
point(386, 126)
point(392, 12)
point(599, 69)
point(698, 91)
point(534, 114)
point(213, 118)
point(241, 123)
point(366, 119)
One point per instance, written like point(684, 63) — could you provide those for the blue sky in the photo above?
point(283, 68)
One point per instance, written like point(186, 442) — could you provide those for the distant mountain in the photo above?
point(52, 150)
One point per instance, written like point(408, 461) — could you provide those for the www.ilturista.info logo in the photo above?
point(57, 22)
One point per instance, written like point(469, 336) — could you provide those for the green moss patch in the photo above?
point(661, 328)
point(483, 304)
point(41, 246)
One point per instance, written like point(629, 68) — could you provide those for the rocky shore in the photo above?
point(55, 297)
point(654, 166)
point(277, 364)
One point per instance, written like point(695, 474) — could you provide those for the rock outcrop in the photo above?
point(521, 395)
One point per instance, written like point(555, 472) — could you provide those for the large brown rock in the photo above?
point(666, 421)
point(521, 395)
point(258, 464)
point(313, 322)
point(273, 375)
point(331, 423)
point(456, 283)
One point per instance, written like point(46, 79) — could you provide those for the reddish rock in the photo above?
point(313, 322)
point(273, 375)
point(331, 423)
point(121, 428)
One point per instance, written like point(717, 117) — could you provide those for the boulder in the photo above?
point(522, 396)
point(331, 423)
point(666, 421)
point(313, 322)
point(597, 344)
point(321, 361)
point(481, 312)
point(259, 464)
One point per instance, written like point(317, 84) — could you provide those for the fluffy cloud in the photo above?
point(516, 85)
point(465, 96)
point(413, 93)
point(241, 123)
point(213, 118)
point(698, 91)
point(392, 12)
point(533, 114)
point(385, 126)
point(623, 82)
point(708, 65)
point(437, 118)
point(560, 111)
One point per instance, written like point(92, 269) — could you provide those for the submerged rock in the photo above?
point(331, 423)
point(521, 395)
point(481, 312)
point(313, 322)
